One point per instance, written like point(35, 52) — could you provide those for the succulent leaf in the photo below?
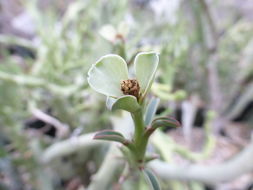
point(150, 111)
point(151, 179)
point(164, 122)
point(145, 65)
point(107, 73)
point(128, 103)
point(110, 135)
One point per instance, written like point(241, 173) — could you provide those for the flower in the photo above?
point(112, 34)
point(109, 76)
point(130, 87)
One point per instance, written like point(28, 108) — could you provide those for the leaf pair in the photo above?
point(106, 75)
point(111, 135)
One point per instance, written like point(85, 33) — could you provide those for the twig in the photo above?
point(33, 82)
point(62, 129)
point(241, 102)
point(226, 171)
point(212, 32)
point(108, 171)
point(241, 86)
point(10, 40)
point(213, 82)
point(212, 46)
point(188, 116)
point(70, 146)
point(211, 40)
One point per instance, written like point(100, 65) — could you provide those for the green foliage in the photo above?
point(107, 73)
point(150, 110)
point(145, 65)
point(128, 103)
point(68, 39)
point(110, 136)
point(152, 179)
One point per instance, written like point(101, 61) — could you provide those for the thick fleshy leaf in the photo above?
point(128, 103)
point(151, 157)
point(110, 135)
point(107, 73)
point(164, 122)
point(145, 65)
point(151, 179)
point(150, 111)
point(161, 122)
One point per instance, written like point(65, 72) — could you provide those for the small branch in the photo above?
point(242, 85)
point(188, 116)
point(62, 129)
point(212, 30)
point(208, 147)
point(13, 40)
point(102, 180)
point(226, 171)
point(210, 34)
point(212, 43)
point(35, 82)
point(21, 79)
point(213, 82)
point(70, 146)
point(241, 102)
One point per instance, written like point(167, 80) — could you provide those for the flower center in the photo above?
point(130, 87)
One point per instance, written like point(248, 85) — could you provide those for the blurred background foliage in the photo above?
point(205, 80)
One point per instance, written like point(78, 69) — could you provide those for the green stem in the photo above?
point(140, 141)
point(139, 125)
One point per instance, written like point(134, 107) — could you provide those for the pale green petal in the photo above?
point(145, 65)
point(128, 103)
point(107, 73)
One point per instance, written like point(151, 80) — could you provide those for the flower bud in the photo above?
point(130, 87)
